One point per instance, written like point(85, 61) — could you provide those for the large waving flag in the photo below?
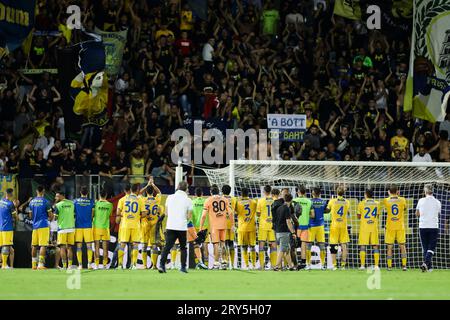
point(84, 83)
point(114, 45)
point(429, 70)
point(16, 22)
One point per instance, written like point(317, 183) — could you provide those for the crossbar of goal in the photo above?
point(360, 172)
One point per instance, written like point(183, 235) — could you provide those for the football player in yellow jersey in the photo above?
point(266, 234)
point(130, 210)
point(138, 167)
point(368, 213)
point(152, 200)
point(246, 212)
point(229, 235)
point(127, 191)
point(339, 208)
point(395, 207)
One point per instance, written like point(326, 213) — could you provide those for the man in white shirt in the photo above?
point(178, 212)
point(428, 210)
point(422, 156)
point(208, 54)
point(45, 142)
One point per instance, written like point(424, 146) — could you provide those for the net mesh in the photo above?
point(355, 177)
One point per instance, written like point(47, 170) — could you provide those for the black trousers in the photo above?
point(428, 237)
point(171, 237)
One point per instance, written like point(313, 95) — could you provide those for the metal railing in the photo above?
point(71, 184)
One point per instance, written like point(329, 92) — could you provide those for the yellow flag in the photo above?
point(350, 9)
point(429, 68)
point(6, 182)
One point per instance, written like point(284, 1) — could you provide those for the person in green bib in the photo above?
point(270, 18)
point(304, 211)
point(197, 211)
point(65, 217)
point(102, 212)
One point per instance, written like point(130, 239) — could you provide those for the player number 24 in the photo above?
point(368, 213)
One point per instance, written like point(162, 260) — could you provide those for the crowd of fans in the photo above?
point(248, 59)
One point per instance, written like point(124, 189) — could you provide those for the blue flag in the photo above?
point(16, 22)
point(85, 84)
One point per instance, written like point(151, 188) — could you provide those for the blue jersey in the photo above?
point(6, 211)
point(319, 206)
point(39, 207)
point(83, 212)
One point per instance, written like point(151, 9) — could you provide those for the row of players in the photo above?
point(140, 213)
point(259, 217)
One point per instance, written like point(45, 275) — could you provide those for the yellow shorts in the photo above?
point(145, 232)
point(339, 235)
point(303, 235)
point(392, 235)
point(266, 235)
point(6, 238)
point(207, 238)
point(151, 231)
point(66, 238)
point(367, 238)
point(229, 235)
point(246, 238)
point(317, 234)
point(130, 235)
point(40, 237)
point(101, 234)
point(85, 234)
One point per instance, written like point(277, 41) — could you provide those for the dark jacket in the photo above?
point(275, 205)
point(281, 212)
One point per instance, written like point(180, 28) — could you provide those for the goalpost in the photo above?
point(355, 177)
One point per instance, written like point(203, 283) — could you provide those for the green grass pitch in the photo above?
point(226, 284)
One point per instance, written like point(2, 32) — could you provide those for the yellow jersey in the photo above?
point(311, 121)
point(246, 212)
point(131, 208)
point(399, 143)
point(395, 208)
point(167, 33)
point(186, 21)
point(369, 209)
point(152, 206)
point(339, 208)
point(137, 169)
point(232, 201)
point(263, 209)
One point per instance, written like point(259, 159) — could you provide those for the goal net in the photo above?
point(355, 177)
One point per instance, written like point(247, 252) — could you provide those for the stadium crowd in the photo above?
point(248, 59)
